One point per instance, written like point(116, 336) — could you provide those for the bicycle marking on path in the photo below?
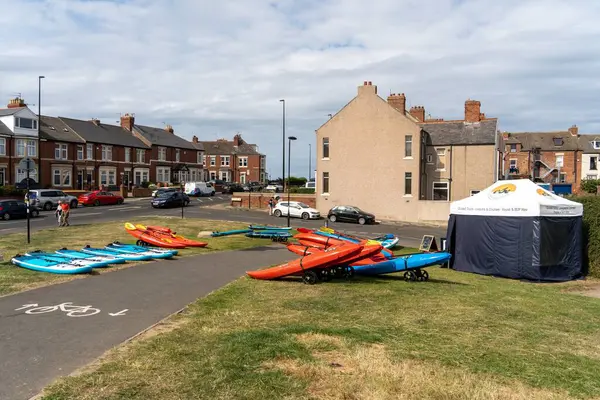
point(68, 308)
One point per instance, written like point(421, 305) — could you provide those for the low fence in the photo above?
point(261, 200)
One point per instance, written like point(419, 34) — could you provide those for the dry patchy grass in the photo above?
point(456, 336)
point(13, 279)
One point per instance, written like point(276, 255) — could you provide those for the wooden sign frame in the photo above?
point(428, 244)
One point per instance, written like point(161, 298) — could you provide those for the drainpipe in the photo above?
point(496, 157)
point(575, 171)
point(450, 178)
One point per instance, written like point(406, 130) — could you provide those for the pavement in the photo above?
point(50, 332)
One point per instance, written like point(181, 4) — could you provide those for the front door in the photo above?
point(243, 178)
point(88, 178)
point(2, 173)
point(80, 180)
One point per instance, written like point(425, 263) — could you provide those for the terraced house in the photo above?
point(234, 161)
point(422, 164)
point(172, 158)
point(18, 139)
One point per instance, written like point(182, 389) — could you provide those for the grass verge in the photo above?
point(13, 279)
point(457, 336)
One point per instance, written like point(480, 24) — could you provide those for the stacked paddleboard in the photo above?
point(68, 261)
point(275, 233)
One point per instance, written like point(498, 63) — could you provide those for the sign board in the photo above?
point(27, 164)
point(428, 243)
point(236, 199)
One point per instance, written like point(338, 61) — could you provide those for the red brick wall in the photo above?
point(571, 166)
point(261, 200)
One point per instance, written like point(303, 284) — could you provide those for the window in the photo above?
point(408, 146)
point(26, 123)
point(563, 177)
point(22, 174)
point(558, 141)
point(512, 166)
point(325, 147)
point(262, 163)
point(591, 177)
point(474, 192)
point(213, 161)
point(225, 176)
point(440, 191)
point(213, 175)
point(224, 161)
point(243, 161)
point(325, 188)
point(163, 174)
point(559, 160)
point(127, 154)
point(80, 152)
point(162, 154)
point(513, 148)
point(90, 151)
point(108, 177)
point(429, 158)
point(61, 177)
point(31, 148)
point(441, 159)
point(199, 157)
point(2, 148)
point(141, 156)
point(106, 153)
point(408, 183)
point(596, 144)
point(141, 175)
point(20, 148)
point(593, 163)
point(177, 155)
point(61, 152)
point(204, 159)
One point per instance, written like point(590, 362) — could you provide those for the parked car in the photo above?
point(168, 199)
point(310, 185)
point(350, 214)
point(231, 187)
point(17, 209)
point(274, 187)
point(47, 199)
point(199, 189)
point(98, 197)
point(296, 209)
point(159, 191)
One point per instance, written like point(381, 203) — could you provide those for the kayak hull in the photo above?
point(403, 263)
point(167, 235)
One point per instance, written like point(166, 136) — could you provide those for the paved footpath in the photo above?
point(38, 345)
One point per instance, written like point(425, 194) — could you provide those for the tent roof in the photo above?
point(516, 198)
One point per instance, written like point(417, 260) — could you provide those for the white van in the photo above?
point(199, 189)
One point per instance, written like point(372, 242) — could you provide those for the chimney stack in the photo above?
point(17, 102)
point(127, 122)
point(237, 140)
point(418, 112)
point(96, 121)
point(574, 130)
point(195, 139)
point(472, 111)
point(367, 87)
point(169, 129)
point(398, 101)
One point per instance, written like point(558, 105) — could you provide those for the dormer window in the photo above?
point(513, 148)
point(558, 141)
point(26, 123)
point(596, 144)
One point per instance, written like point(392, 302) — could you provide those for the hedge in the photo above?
point(11, 191)
point(591, 231)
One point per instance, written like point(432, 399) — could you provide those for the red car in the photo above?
point(99, 197)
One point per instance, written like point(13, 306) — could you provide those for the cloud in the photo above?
point(212, 69)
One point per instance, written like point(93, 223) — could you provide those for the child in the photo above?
point(58, 213)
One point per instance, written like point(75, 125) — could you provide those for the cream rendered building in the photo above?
point(375, 155)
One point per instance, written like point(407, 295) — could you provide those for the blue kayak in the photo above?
point(76, 254)
point(46, 265)
point(106, 252)
point(403, 263)
point(228, 233)
point(269, 228)
point(124, 249)
point(91, 261)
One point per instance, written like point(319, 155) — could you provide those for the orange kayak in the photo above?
point(306, 264)
point(148, 237)
point(320, 241)
point(368, 255)
point(164, 232)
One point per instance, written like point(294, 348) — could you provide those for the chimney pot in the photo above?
point(365, 83)
point(398, 101)
point(127, 122)
point(418, 112)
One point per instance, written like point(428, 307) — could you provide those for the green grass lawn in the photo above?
point(456, 336)
point(13, 279)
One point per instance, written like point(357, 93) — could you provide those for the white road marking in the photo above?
point(122, 312)
point(123, 208)
point(210, 198)
point(86, 214)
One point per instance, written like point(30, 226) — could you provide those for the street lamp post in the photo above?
point(283, 143)
point(290, 138)
point(309, 160)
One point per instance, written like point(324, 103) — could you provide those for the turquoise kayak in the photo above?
point(270, 228)
point(46, 265)
point(268, 234)
point(228, 233)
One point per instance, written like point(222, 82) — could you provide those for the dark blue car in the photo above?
point(170, 199)
point(16, 209)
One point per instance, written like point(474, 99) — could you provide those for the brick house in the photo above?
point(234, 161)
point(461, 155)
point(172, 158)
point(86, 155)
point(551, 157)
point(18, 139)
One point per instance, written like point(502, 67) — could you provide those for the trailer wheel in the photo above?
point(310, 278)
point(349, 272)
point(410, 276)
point(425, 275)
point(139, 243)
point(324, 275)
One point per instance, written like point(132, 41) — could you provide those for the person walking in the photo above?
point(65, 213)
point(271, 205)
point(58, 213)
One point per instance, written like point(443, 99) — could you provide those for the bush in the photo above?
point(590, 185)
point(591, 232)
point(302, 190)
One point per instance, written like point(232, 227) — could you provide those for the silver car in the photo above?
point(47, 199)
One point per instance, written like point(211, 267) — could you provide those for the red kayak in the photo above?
point(162, 231)
point(369, 255)
point(149, 238)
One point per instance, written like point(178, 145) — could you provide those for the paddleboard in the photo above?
point(140, 251)
point(51, 266)
point(106, 252)
point(76, 254)
point(92, 261)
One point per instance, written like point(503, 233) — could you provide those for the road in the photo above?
point(410, 235)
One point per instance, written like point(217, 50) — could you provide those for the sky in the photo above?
point(214, 69)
